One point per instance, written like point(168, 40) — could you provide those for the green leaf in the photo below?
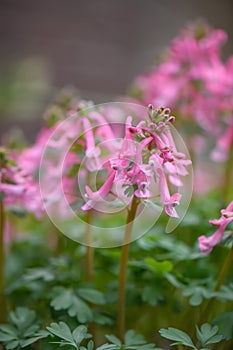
point(12, 344)
point(79, 334)
point(102, 318)
point(5, 338)
point(22, 318)
point(31, 330)
point(113, 339)
point(197, 293)
point(225, 323)
point(225, 293)
point(152, 295)
point(208, 334)
point(108, 347)
point(196, 299)
point(81, 310)
point(7, 333)
point(131, 338)
point(39, 273)
point(65, 299)
point(132, 341)
point(159, 267)
point(179, 336)
point(90, 345)
point(62, 299)
point(61, 330)
point(68, 338)
point(146, 347)
point(22, 330)
point(92, 295)
point(39, 335)
point(173, 280)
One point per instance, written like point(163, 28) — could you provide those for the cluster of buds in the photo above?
point(160, 116)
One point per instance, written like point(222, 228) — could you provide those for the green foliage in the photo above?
point(225, 323)
point(65, 337)
point(91, 295)
point(158, 267)
point(165, 271)
point(178, 336)
point(66, 299)
point(132, 341)
point(206, 335)
point(225, 293)
point(152, 294)
point(197, 292)
point(73, 302)
point(22, 330)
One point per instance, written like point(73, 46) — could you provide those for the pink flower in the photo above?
point(138, 165)
point(19, 188)
point(104, 131)
point(224, 143)
point(92, 151)
point(82, 131)
point(206, 244)
point(95, 197)
point(169, 202)
point(192, 78)
point(12, 190)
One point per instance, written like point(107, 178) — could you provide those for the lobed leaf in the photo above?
point(178, 336)
point(208, 334)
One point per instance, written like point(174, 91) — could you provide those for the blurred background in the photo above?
point(96, 46)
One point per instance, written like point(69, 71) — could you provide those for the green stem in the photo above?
point(90, 263)
point(227, 181)
point(226, 266)
point(123, 268)
point(3, 310)
point(90, 249)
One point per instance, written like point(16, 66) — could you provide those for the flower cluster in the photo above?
point(18, 185)
point(207, 243)
point(77, 141)
point(75, 129)
point(192, 79)
point(146, 160)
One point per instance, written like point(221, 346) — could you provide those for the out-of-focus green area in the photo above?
point(24, 87)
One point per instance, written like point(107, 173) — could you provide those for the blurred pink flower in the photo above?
point(192, 78)
point(20, 189)
point(206, 244)
point(224, 143)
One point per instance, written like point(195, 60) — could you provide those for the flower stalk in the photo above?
point(221, 277)
point(123, 268)
point(227, 183)
point(2, 265)
point(90, 249)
